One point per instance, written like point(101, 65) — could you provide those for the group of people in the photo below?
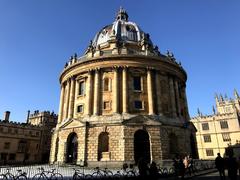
point(231, 164)
point(183, 165)
point(146, 169)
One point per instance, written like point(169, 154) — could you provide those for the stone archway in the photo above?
point(141, 146)
point(72, 147)
point(103, 146)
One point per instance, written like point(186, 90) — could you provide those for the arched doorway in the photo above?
point(141, 146)
point(173, 146)
point(193, 147)
point(103, 144)
point(72, 146)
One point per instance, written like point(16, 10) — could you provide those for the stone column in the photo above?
point(158, 88)
point(67, 100)
point(185, 103)
point(172, 97)
point(124, 90)
point(60, 112)
point(150, 92)
point(96, 92)
point(89, 93)
point(177, 98)
point(115, 91)
point(71, 98)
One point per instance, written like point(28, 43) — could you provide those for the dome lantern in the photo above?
point(122, 15)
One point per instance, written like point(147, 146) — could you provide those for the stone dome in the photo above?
point(123, 32)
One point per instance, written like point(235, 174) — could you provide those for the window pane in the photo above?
point(106, 105)
point(137, 83)
point(209, 152)
point(81, 88)
point(138, 104)
point(207, 138)
point(224, 124)
point(106, 84)
point(80, 108)
point(226, 137)
point(205, 126)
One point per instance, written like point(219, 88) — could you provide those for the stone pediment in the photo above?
point(71, 123)
point(142, 120)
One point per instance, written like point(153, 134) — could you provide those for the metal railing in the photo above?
point(80, 172)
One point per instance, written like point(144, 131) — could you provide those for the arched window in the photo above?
point(106, 84)
point(103, 144)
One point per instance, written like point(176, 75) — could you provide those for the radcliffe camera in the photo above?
point(114, 101)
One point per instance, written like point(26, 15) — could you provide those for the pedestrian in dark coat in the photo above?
point(232, 167)
point(220, 165)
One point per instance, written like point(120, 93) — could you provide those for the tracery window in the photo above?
point(224, 124)
point(207, 138)
point(209, 152)
point(226, 137)
point(205, 126)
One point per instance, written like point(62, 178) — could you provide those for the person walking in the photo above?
point(232, 167)
point(219, 162)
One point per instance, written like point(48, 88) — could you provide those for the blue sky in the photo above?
point(37, 38)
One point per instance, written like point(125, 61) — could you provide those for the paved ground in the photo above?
point(210, 176)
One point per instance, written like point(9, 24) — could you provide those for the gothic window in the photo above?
point(137, 86)
point(226, 137)
point(80, 108)
point(205, 126)
point(209, 152)
point(207, 138)
point(138, 104)
point(106, 84)
point(81, 88)
point(224, 124)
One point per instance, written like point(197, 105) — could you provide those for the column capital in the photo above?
point(149, 68)
point(115, 68)
point(97, 69)
point(124, 67)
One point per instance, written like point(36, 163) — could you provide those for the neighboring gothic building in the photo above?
point(122, 101)
point(26, 142)
point(220, 130)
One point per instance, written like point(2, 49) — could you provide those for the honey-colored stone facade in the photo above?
point(220, 130)
point(26, 142)
point(120, 94)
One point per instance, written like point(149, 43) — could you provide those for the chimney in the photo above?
point(28, 117)
point(6, 115)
